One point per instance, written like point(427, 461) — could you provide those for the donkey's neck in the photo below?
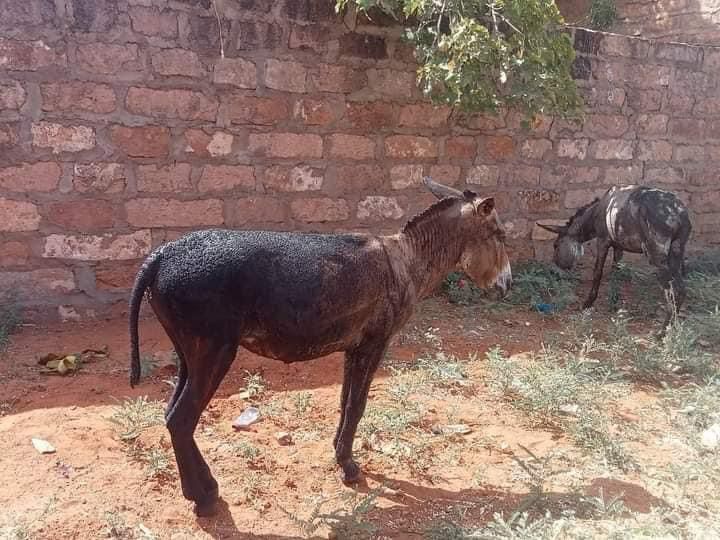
point(585, 223)
point(432, 248)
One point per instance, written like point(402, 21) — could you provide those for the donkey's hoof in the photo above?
point(351, 473)
point(207, 506)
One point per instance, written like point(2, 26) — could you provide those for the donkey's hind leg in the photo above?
point(208, 360)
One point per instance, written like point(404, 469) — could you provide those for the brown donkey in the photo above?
point(295, 297)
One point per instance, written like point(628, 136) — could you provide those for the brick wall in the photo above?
point(121, 128)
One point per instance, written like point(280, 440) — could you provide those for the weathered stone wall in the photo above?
point(121, 128)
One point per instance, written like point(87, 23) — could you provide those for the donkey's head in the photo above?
point(570, 237)
point(568, 248)
point(483, 256)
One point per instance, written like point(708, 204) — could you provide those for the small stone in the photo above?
point(43, 446)
point(284, 438)
point(711, 437)
point(249, 416)
point(570, 409)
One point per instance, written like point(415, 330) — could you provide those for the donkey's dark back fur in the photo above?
point(287, 296)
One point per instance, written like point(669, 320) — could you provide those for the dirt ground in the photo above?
point(98, 486)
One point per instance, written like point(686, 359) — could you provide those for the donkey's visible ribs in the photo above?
point(637, 219)
point(295, 297)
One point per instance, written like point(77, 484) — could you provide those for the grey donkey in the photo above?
point(636, 219)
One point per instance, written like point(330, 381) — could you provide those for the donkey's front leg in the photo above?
point(360, 366)
point(603, 245)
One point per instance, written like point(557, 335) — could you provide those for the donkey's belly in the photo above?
point(292, 350)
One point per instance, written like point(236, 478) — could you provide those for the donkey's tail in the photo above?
point(144, 278)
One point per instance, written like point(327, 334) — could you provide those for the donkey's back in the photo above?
point(280, 291)
point(641, 219)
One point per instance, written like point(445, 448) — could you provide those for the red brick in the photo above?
point(356, 178)
point(34, 284)
point(652, 124)
point(98, 247)
point(30, 13)
point(153, 22)
point(445, 174)
point(317, 112)
point(146, 141)
point(483, 175)
point(534, 200)
point(654, 151)
point(300, 178)
point(178, 62)
point(664, 175)
point(116, 275)
point(164, 178)
point(424, 115)
point(62, 138)
point(378, 208)
point(487, 121)
point(183, 104)
point(107, 58)
point(572, 148)
point(521, 175)
point(254, 35)
point(204, 144)
point(407, 146)
point(363, 46)
point(236, 72)
point(708, 201)
point(256, 210)
point(406, 176)
point(620, 149)
point(14, 254)
point(97, 98)
point(12, 95)
point(286, 76)
point(8, 135)
point(43, 176)
point(460, 147)
point(172, 213)
point(17, 216)
point(99, 178)
point(227, 178)
point(312, 37)
point(371, 115)
point(351, 147)
point(575, 198)
point(561, 175)
point(605, 125)
point(320, 210)
point(496, 147)
point(286, 145)
point(644, 100)
point(684, 152)
point(29, 55)
point(255, 110)
point(392, 83)
point(622, 175)
point(535, 148)
point(338, 79)
point(80, 215)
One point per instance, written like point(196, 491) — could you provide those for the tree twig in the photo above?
point(217, 16)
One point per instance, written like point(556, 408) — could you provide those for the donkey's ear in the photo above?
point(557, 229)
point(441, 191)
point(469, 195)
point(486, 206)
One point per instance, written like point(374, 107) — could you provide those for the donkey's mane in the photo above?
point(430, 213)
point(580, 211)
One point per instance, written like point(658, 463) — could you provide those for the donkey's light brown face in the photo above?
point(485, 259)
